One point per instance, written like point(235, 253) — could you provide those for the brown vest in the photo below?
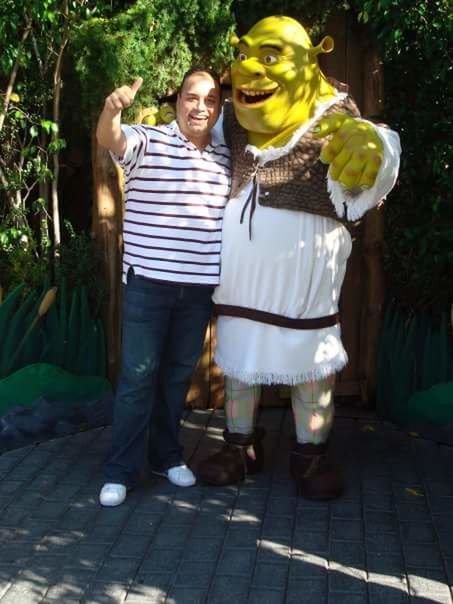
point(296, 181)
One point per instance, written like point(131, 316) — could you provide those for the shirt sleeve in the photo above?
point(135, 148)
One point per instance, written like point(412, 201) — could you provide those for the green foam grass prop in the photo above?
point(434, 404)
point(30, 383)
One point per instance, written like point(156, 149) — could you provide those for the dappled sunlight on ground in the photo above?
point(388, 539)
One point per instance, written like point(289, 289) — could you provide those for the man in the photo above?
point(177, 181)
point(285, 245)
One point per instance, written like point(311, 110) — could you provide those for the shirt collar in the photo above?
point(216, 136)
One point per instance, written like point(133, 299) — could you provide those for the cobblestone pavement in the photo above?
point(389, 539)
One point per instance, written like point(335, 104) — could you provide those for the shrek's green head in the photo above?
point(275, 75)
point(167, 113)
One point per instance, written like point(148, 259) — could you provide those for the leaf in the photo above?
point(368, 428)
point(414, 492)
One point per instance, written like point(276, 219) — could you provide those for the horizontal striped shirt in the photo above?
point(175, 197)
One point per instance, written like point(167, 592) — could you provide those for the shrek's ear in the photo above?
point(325, 46)
point(234, 40)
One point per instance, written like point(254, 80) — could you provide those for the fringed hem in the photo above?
point(313, 375)
point(356, 206)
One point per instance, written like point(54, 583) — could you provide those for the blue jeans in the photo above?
point(163, 333)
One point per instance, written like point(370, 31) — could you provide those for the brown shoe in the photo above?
point(316, 476)
point(232, 463)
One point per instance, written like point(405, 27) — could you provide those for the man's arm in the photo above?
point(108, 131)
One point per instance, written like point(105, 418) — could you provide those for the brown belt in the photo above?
point(272, 319)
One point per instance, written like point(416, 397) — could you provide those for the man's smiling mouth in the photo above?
point(249, 96)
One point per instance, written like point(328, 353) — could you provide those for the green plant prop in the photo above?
point(27, 385)
point(46, 303)
point(53, 328)
point(415, 358)
point(434, 405)
point(14, 331)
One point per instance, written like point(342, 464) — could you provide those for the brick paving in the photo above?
point(389, 539)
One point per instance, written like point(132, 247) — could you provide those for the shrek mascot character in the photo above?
point(286, 244)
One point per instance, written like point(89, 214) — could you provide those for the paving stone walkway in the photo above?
point(389, 539)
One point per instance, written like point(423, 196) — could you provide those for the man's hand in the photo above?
point(122, 97)
point(108, 132)
point(354, 153)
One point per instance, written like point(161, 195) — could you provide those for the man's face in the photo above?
point(198, 107)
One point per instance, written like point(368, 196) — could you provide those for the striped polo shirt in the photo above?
point(175, 197)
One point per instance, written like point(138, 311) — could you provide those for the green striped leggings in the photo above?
point(312, 405)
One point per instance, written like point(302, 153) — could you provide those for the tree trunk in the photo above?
point(373, 238)
point(13, 75)
point(56, 119)
point(107, 233)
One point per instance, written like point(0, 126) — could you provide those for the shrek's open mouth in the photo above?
point(253, 97)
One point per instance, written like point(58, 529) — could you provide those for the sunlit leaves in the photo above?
point(156, 40)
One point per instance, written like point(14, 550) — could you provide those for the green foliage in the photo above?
point(34, 35)
point(80, 266)
point(416, 49)
point(311, 13)
point(156, 40)
point(79, 263)
point(26, 149)
point(20, 261)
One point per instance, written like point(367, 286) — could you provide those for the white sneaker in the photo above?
point(112, 494)
point(181, 476)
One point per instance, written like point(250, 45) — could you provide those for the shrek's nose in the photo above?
point(252, 67)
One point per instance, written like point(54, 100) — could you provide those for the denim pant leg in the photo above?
point(146, 314)
point(183, 347)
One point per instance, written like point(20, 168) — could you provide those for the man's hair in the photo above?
point(199, 69)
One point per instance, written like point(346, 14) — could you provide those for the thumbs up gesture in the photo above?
point(122, 98)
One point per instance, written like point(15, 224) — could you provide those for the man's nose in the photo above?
point(201, 105)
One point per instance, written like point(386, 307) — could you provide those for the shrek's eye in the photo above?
point(242, 56)
point(270, 59)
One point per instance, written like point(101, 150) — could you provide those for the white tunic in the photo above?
point(294, 266)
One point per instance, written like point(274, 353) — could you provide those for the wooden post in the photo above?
point(107, 233)
point(198, 395)
point(373, 236)
point(346, 65)
point(216, 377)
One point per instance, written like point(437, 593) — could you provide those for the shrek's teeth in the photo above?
point(255, 96)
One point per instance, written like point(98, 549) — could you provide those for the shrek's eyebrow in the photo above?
point(274, 46)
point(269, 44)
